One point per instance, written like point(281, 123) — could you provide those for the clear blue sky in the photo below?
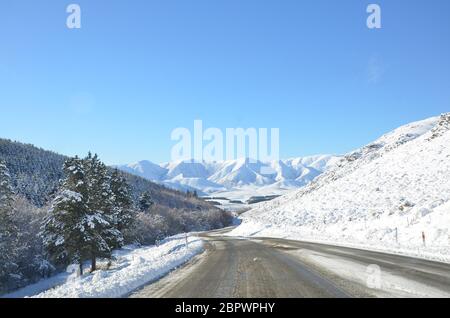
point(138, 69)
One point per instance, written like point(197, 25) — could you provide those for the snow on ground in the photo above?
point(382, 196)
point(385, 284)
point(236, 199)
point(132, 268)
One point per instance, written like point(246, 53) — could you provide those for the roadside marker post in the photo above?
point(396, 235)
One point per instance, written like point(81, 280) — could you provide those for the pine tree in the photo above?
point(6, 191)
point(87, 218)
point(64, 229)
point(145, 202)
point(123, 206)
point(103, 235)
point(8, 231)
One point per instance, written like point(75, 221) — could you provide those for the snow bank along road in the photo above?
point(266, 267)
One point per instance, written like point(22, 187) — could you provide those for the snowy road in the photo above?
point(266, 267)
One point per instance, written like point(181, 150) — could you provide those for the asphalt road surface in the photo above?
point(266, 267)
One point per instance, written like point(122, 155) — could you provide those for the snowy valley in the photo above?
point(392, 196)
point(219, 157)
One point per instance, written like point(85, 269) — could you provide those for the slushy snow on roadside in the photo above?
point(391, 195)
point(132, 267)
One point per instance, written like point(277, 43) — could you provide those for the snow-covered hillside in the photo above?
point(386, 195)
point(213, 177)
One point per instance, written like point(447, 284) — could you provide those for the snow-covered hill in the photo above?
point(213, 177)
point(386, 195)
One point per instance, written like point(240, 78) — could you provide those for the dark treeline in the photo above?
point(35, 173)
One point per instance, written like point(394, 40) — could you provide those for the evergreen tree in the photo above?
point(103, 235)
point(192, 194)
point(64, 229)
point(8, 231)
point(124, 215)
point(145, 202)
point(86, 219)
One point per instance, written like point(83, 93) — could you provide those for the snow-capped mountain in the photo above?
point(146, 169)
point(210, 177)
point(393, 194)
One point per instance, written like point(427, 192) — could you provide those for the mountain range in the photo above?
point(213, 177)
